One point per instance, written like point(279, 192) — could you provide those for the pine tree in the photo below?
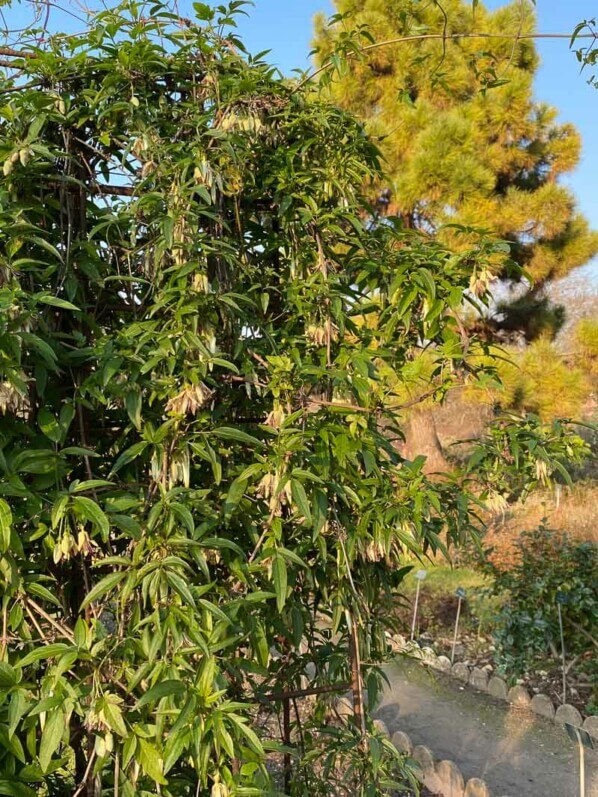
point(466, 144)
point(465, 141)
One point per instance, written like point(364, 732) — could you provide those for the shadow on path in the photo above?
point(514, 751)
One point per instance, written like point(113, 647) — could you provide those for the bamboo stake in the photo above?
point(356, 681)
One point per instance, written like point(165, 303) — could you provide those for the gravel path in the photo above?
point(515, 752)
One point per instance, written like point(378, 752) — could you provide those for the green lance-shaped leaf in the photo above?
point(113, 715)
point(428, 282)
point(163, 689)
point(301, 500)
point(174, 747)
point(250, 736)
point(280, 578)
point(234, 495)
point(11, 788)
point(87, 509)
point(5, 526)
point(37, 589)
point(183, 513)
point(88, 485)
point(102, 588)
point(17, 708)
point(12, 744)
point(56, 301)
point(9, 676)
point(51, 737)
point(133, 405)
point(181, 587)
point(151, 761)
point(43, 652)
point(238, 435)
point(129, 455)
point(49, 425)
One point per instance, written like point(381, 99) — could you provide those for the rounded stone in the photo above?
point(402, 742)
point(459, 650)
point(442, 663)
point(426, 772)
point(476, 788)
point(451, 779)
point(479, 678)
point(381, 727)
point(400, 641)
point(428, 655)
point(422, 755)
point(413, 650)
point(108, 620)
point(460, 671)
point(497, 688)
point(519, 696)
point(591, 726)
point(543, 705)
point(568, 713)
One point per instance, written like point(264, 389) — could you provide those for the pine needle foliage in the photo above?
point(542, 381)
point(464, 139)
point(585, 344)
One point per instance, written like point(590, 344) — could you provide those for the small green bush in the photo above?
point(527, 626)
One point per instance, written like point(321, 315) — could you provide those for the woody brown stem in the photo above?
point(356, 681)
point(286, 738)
point(314, 690)
point(58, 626)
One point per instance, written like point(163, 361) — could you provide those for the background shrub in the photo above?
point(527, 627)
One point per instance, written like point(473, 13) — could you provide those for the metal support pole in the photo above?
point(583, 739)
point(582, 770)
point(563, 653)
point(415, 610)
point(456, 631)
point(286, 733)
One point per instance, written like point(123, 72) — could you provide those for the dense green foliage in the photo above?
point(517, 454)
point(201, 496)
point(464, 139)
point(527, 628)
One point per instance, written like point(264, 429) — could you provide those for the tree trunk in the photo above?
point(421, 439)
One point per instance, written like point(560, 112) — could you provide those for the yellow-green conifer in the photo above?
point(464, 139)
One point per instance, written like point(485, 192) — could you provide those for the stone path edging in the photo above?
point(479, 678)
point(441, 777)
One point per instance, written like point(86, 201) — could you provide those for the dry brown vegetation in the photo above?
point(573, 512)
